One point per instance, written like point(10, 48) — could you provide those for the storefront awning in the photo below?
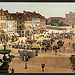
point(16, 34)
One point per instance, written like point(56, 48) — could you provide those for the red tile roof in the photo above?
point(22, 16)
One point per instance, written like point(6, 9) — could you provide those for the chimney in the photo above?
point(6, 10)
point(1, 9)
point(34, 12)
point(24, 12)
point(17, 13)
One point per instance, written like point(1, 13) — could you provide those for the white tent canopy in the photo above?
point(17, 34)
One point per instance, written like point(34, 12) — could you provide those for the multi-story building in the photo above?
point(28, 24)
point(2, 19)
point(20, 22)
point(36, 24)
point(7, 23)
point(59, 18)
point(3, 24)
point(70, 19)
point(11, 26)
point(42, 24)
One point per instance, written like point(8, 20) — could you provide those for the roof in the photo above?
point(21, 16)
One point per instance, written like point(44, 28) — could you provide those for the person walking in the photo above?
point(55, 52)
point(65, 53)
point(26, 60)
point(12, 70)
point(45, 50)
point(42, 65)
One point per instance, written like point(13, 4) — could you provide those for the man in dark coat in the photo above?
point(42, 65)
point(12, 70)
point(45, 50)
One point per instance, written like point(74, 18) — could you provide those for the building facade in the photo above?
point(20, 22)
point(42, 24)
point(7, 23)
point(70, 19)
point(36, 25)
point(10, 27)
point(3, 24)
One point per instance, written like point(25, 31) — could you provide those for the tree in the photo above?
point(62, 24)
point(46, 22)
point(55, 22)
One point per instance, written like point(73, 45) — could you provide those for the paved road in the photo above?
point(54, 64)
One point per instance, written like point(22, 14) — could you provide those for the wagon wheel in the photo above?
point(73, 68)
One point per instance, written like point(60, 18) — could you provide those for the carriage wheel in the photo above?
point(73, 71)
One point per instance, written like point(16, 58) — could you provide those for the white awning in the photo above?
point(17, 34)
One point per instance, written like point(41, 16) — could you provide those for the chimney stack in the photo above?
point(17, 13)
point(6, 10)
point(24, 12)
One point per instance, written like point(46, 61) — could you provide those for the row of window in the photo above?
point(2, 13)
point(9, 17)
point(2, 18)
point(2, 24)
point(10, 22)
point(42, 24)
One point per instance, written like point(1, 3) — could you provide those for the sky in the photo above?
point(45, 9)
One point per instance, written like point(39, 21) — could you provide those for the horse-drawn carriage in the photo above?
point(72, 61)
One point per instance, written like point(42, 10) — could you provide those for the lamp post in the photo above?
point(25, 64)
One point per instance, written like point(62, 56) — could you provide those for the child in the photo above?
point(65, 53)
